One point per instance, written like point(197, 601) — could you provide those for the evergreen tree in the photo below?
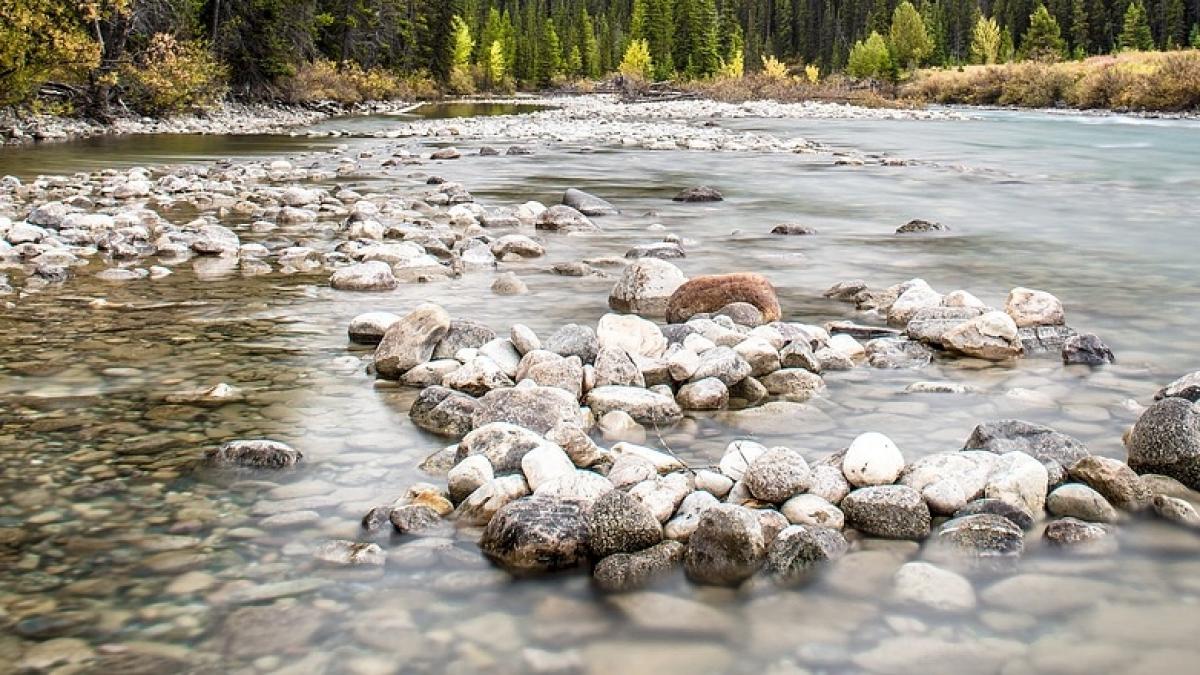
point(1135, 34)
point(910, 42)
point(1080, 31)
point(985, 41)
point(870, 58)
point(1008, 48)
point(589, 47)
point(704, 57)
point(549, 53)
point(1194, 39)
point(659, 30)
point(1043, 41)
point(440, 38)
point(1174, 25)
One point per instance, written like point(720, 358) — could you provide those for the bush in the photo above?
point(637, 63)
point(174, 77)
point(349, 83)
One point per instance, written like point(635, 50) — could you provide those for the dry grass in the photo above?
point(349, 84)
point(759, 87)
point(1135, 81)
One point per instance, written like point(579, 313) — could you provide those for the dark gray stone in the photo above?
point(1166, 440)
point(443, 411)
point(1056, 450)
point(1017, 515)
point(727, 547)
point(1087, 350)
point(983, 540)
point(254, 454)
point(699, 194)
point(619, 523)
point(887, 511)
point(588, 204)
point(537, 534)
point(574, 340)
point(799, 550)
point(631, 571)
point(463, 334)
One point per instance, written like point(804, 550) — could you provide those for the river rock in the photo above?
point(918, 226)
point(1166, 440)
point(1176, 510)
point(710, 293)
point(1043, 443)
point(414, 519)
point(528, 405)
point(1028, 308)
point(992, 336)
point(254, 454)
point(949, 480)
point(793, 384)
point(370, 327)
point(727, 547)
point(873, 459)
point(537, 534)
point(663, 495)
point(702, 193)
point(707, 394)
point(367, 276)
point(443, 411)
point(574, 340)
point(579, 446)
point(468, 476)
point(524, 339)
point(504, 445)
point(687, 516)
point(809, 509)
point(738, 456)
point(445, 154)
point(662, 462)
point(760, 354)
point(663, 250)
point(930, 586)
point(477, 377)
point(645, 287)
point(509, 284)
point(251, 632)
point(798, 550)
point(410, 341)
point(566, 374)
point(614, 366)
point(1088, 350)
point(722, 363)
point(799, 354)
point(632, 334)
point(1081, 537)
point(645, 406)
point(829, 483)
point(931, 324)
point(588, 204)
point(776, 475)
point(562, 218)
point(620, 523)
point(793, 229)
point(1018, 515)
point(1020, 480)
point(544, 463)
point(462, 334)
point(982, 541)
point(917, 296)
point(1082, 502)
point(580, 485)
point(631, 571)
point(898, 353)
point(1115, 482)
point(887, 511)
point(1187, 387)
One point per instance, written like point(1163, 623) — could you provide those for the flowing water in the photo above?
point(112, 538)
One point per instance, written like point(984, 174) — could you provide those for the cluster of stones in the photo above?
point(546, 497)
point(922, 320)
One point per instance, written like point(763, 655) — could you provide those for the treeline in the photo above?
point(166, 55)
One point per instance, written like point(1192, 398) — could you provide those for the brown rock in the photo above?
point(710, 293)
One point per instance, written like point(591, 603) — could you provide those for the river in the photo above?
point(122, 556)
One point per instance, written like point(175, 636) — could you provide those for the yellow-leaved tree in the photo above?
point(41, 40)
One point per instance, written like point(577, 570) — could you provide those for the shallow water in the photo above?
point(111, 535)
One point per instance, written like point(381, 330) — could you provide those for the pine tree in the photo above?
point(1135, 34)
point(589, 47)
point(1174, 25)
point(704, 58)
point(637, 20)
point(659, 29)
point(1043, 41)
point(1080, 31)
point(910, 42)
point(1194, 39)
point(549, 53)
point(985, 41)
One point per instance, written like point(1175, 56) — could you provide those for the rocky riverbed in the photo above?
point(264, 462)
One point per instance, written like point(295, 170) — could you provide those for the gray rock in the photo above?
point(614, 366)
point(482, 505)
point(536, 408)
point(1088, 350)
point(350, 553)
point(254, 454)
point(369, 328)
point(663, 250)
point(477, 377)
point(793, 384)
point(687, 516)
point(702, 193)
point(468, 476)
point(566, 374)
point(897, 353)
point(992, 336)
point(619, 523)
point(504, 445)
point(524, 339)
point(580, 485)
point(1166, 440)
point(1116, 483)
point(1015, 514)
point(632, 571)
point(887, 511)
point(727, 547)
point(1080, 501)
point(1040, 442)
point(724, 364)
point(949, 480)
point(810, 509)
point(1082, 538)
point(645, 406)
point(562, 218)
point(368, 276)
point(443, 411)
point(982, 541)
point(410, 341)
point(742, 313)
point(799, 550)
point(1176, 510)
point(793, 229)
point(777, 475)
point(588, 204)
point(663, 495)
point(1187, 387)
point(707, 394)
point(537, 534)
point(509, 284)
point(574, 340)
point(645, 287)
point(463, 334)
point(919, 226)
point(414, 518)
point(919, 583)
point(799, 354)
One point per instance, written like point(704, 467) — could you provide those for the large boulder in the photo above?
point(410, 341)
point(992, 336)
point(528, 405)
point(368, 276)
point(643, 405)
point(619, 523)
point(588, 204)
point(646, 287)
point(537, 534)
point(887, 511)
point(710, 293)
point(727, 547)
point(1166, 440)
point(1028, 308)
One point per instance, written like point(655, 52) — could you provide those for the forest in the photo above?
point(166, 55)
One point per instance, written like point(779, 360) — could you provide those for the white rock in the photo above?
point(545, 463)
point(809, 509)
point(687, 518)
point(468, 476)
point(873, 459)
point(1028, 307)
point(663, 463)
point(631, 333)
point(738, 456)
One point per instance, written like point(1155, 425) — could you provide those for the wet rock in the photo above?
point(707, 394)
point(367, 276)
point(742, 314)
point(504, 445)
point(369, 328)
point(930, 586)
point(663, 495)
point(1176, 510)
point(632, 571)
point(727, 547)
point(793, 384)
point(477, 377)
point(722, 363)
point(1082, 538)
point(919, 226)
point(216, 240)
point(580, 485)
point(509, 284)
point(992, 336)
point(710, 293)
point(1187, 387)
point(632, 334)
point(799, 550)
point(887, 511)
point(687, 516)
point(776, 475)
point(620, 523)
point(1028, 307)
point(574, 340)
point(615, 367)
point(272, 630)
point(793, 229)
point(55, 655)
point(761, 356)
point(981, 541)
point(662, 462)
point(462, 334)
point(350, 553)
point(873, 459)
point(443, 411)
point(588, 204)
point(1082, 502)
point(1020, 480)
point(661, 613)
point(1166, 440)
point(517, 245)
point(948, 480)
point(1043, 443)
point(445, 153)
point(799, 354)
point(410, 341)
point(646, 287)
point(934, 655)
point(702, 193)
point(254, 454)
point(1019, 516)
point(566, 374)
point(468, 476)
point(537, 534)
point(895, 354)
point(931, 324)
point(562, 218)
point(917, 295)
point(645, 406)
point(1114, 481)
point(664, 250)
point(738, 456)
point(1088, 350)
point(536, 408)
point(749, 391)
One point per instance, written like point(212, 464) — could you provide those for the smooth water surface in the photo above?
point(110, 535)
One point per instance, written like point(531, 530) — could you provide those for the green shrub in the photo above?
point(172, 77)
